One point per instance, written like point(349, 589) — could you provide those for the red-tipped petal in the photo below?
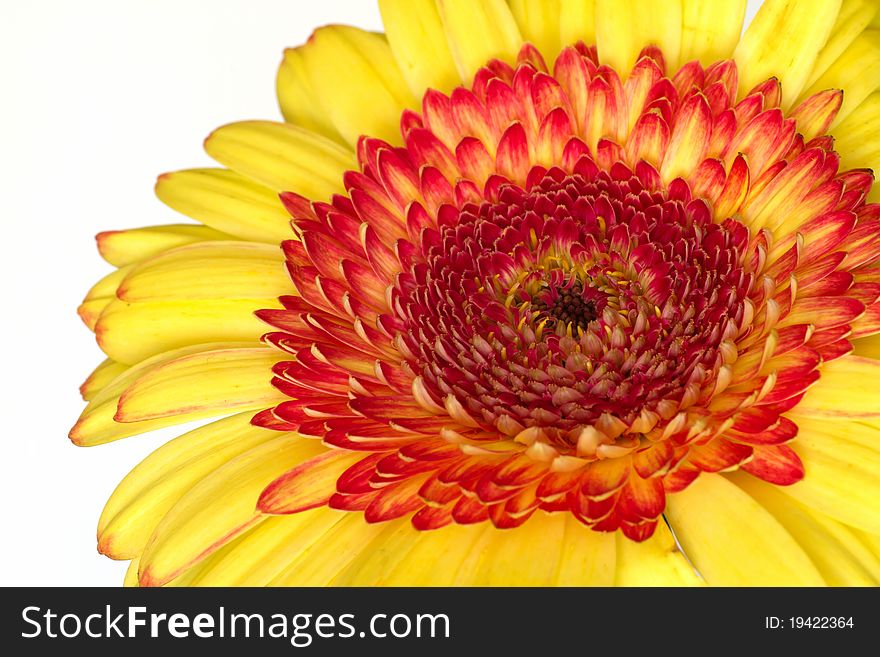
point(777, 464)
point(307, 486)
point(815, 114)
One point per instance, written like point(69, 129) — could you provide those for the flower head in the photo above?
point(512, 312)
point(556, 301)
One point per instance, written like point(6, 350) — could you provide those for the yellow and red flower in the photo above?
point(531, 326)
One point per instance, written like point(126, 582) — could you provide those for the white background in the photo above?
point(98, 97)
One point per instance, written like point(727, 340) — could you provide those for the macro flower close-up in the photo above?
point(516, 293)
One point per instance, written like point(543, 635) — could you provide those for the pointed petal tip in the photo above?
point(147, 579)
point(106, 546)
point(88, 317)
point(75, 435)
point(104, 234)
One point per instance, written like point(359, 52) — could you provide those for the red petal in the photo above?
point(648, 139)
point(720, 454)
point(554, 484)
point(429, 517)
point(778, 464)
point(602, 477)
point(489, 492)
point(401, 182)
point(783, 431)
point(641, 499)
point(824, 312)
point(572, 73)
point(358, 502)
point(426, 148)
point(681, 478)
point(638, 532)
point(437, 492)
point(736, 187)
point(502, 519)
point(468, 511)
point(689, 139)
point(309, 485)
point(815, 114)
point(518, 471)
point(474, 160)
point(268, 420)
point(649, 462)
point(512, 157)
point(554, 133)
point(395, 501)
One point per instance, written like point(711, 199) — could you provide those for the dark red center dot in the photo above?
point(585, 295)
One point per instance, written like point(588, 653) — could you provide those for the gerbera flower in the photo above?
point(539, 292)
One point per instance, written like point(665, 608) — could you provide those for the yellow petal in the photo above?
point(838, 554)
point(284, 157)
point(687, 143)
point(123, 247)
point(98, 427)
point(107, 286)
point(538, 22)
point(188, 576)
point(624, 27)
point(654, 562)
point(856, 71)
point(261, 554)
point(587, 558)
point(870, 541)
point(209, 270)
point(478, 32)
point(418, 42)
point(615, 40)
point(100, 377)
point(100, 294)
point(856, 137)
point(868, 347)
point(227, 201)
point(332, 553)
point(853, 540)
point(710, 30)
point(90, 311)
point(733, 541)
point(130, 332)
point(357, 82)
point(577, 21)
point(528, 555)
point(383, 556)
point(96, 424)
point(783, 41)
point(219, 507)
point(131, 574)
point(864, 432)
point(203, 384)
point(845, 390)
point(841, 461)
point(573, 555)
point(146, 494)
point(113, 388)
point(436, 558)
point(296, 96)
point(854, 17)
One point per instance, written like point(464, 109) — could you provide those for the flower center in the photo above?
point(569, 305)
point(587, 302)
